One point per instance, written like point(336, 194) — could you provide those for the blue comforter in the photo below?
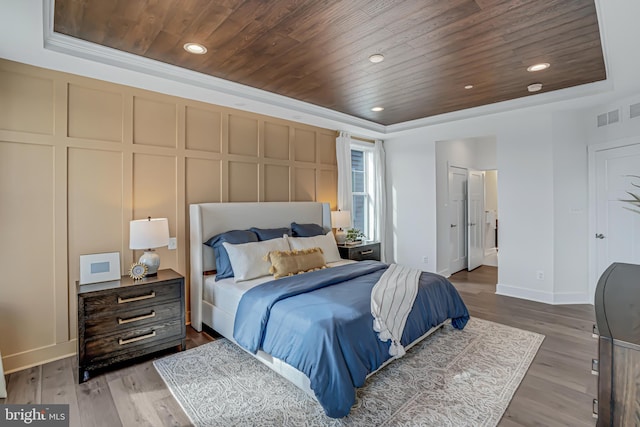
point(320, 323)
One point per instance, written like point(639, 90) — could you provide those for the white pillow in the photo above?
point(247, 259)
point(325, 242)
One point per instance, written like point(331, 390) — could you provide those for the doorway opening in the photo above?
point(467, 198)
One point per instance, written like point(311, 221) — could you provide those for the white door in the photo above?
point(475, 224)
point(458, 218)
point(617, 233)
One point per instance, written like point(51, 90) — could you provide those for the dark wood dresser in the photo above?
point(124, 319)
point(617, 302)
point(361, 252)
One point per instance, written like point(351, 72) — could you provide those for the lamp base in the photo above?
point(152, 260)
point(341, 236)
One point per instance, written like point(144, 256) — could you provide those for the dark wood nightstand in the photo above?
point(124, 319)
point(361, 252)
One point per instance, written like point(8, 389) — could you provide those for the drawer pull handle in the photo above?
point(135, 339)
point(595, 369)
point(594, 331)
point(122, 321)
point(140, 298)
point(594, 412)
point(369, 252)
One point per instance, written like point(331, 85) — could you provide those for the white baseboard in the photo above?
point(545, 297)
point(523, 293)
point(572, 298)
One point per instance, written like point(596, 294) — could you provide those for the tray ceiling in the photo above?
point(317, 51)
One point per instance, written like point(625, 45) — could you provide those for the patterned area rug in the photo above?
point(452, 378)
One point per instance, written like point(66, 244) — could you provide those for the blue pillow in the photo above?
point(223, 265)
point(306, 230)
point(270, 233)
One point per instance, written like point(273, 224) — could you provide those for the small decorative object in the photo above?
point(340, 220)
point(354, 236)
point(138, 271)
point(99, 267)
point(149, 234)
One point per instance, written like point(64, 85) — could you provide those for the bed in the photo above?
point(215, 303)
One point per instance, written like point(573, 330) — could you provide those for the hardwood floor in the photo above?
point(557, 390)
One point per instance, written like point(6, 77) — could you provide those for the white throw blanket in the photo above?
point(391, 301)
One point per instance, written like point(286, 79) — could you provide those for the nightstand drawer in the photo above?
point(131, 318)
point(125, 342)
point(366, 251)
point(125, 300)
point(361, 254)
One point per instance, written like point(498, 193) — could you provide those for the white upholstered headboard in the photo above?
point(208, 219)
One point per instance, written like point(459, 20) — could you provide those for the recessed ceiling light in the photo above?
point(376, 57)
point(377, 109)
point(468, 87)
point(196, 48)
point(534, 87)
point(539, 67)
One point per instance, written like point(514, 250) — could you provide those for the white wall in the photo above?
point(524, 159)
point(411, 190)
point(570, 199)
point(525, 194)
point(485, 152)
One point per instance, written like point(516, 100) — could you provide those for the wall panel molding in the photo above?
point(114, 152)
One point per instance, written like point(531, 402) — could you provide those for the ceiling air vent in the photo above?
point(609, 118)
point(634, 110)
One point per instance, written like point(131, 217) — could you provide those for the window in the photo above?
point(362, 189)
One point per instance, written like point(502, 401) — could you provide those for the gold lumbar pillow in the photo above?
point(288, 263)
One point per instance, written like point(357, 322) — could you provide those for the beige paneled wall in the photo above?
point(80, 158)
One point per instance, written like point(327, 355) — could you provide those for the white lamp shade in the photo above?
point(148, 233)
point(341, 219)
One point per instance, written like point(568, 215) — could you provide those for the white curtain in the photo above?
point(380, 195)
point(343, 155)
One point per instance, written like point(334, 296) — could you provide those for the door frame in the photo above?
point(593, 208)
point(480, 220)
point(449, 219)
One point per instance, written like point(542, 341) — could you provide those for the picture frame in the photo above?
point(101, 267)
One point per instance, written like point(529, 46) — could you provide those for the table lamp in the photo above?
point(149, 234)
point(340, 220)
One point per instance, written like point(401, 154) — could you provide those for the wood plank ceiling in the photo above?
point(317, 50)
